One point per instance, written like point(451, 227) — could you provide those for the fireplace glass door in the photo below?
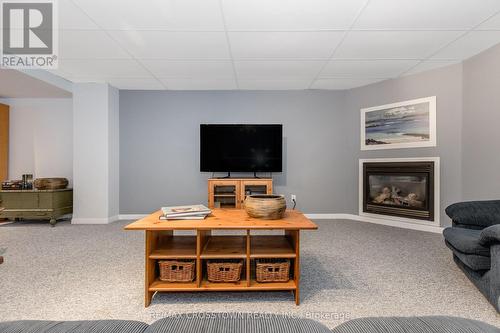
point(403, 189)
point(400, 191)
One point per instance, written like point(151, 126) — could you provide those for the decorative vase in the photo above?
point(265, 206)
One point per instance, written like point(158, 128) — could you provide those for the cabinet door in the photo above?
point(224, 194)
point(20, 200)
point(255, 186)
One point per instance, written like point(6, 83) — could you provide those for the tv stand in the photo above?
point(231, 192)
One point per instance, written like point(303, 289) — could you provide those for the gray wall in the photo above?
point(159, 138)
point(444, 83)
point(159, 145)
point(481, 130)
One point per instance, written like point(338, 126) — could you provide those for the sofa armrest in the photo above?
point(478, 214)
point(494, 274)
point(490, 235)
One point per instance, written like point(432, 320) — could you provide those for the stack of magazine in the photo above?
point(194, 212)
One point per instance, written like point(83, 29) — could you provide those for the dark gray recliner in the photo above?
point(474, 239)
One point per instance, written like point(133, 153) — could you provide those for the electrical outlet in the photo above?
point(294, 197)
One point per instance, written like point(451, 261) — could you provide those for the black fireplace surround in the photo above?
point(404, 189)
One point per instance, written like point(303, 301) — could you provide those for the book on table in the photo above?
point(192, 212)
point(194, 217)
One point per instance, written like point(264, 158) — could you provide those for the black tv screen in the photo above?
point(241, 148)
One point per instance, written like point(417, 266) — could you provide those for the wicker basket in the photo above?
point(51, 183)
point(272, 270)
point(224, 271)
point(176, 270)
point(265, 206)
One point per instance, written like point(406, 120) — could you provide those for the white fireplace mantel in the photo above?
point(437, 210)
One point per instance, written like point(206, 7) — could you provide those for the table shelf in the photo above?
point(159, 285)
point(206, 285)
point(175, 247)
point(220, 247)
point(221, 286)
point(289, 285)
point(271, 247)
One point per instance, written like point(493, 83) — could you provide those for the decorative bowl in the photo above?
point(265, 206)
point(51, 183)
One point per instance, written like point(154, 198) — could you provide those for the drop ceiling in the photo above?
point(267, 44)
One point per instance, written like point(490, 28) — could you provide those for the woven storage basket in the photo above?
point(51, 183)
point(265, 206)
point(176, 270)
point(224, 271)
point(272, 270)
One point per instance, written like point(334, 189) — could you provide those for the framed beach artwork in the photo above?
point(408, 124)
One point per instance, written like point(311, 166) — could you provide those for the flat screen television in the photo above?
point(241, 148)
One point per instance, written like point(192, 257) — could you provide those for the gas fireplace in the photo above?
point(404, 189)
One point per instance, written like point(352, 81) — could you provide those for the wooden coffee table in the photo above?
point(163, 243)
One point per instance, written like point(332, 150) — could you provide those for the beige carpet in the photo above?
point(349, 269)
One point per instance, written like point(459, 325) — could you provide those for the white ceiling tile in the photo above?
point(492, 24)
point(425, 14)
point(103, 68)
point(194, 68)
point(342, 83)
point(393, 44)
point(367, 68)
point(89, 44)
point(284, 44)
point(199, 83)
point(273, 84)
point(278, 69)
point(430, 64)
point(72, 17)
point(174, 45)
point(471, 44)
point(191, 15)
point(136, 84)
point(290, 14)
point(275, 44)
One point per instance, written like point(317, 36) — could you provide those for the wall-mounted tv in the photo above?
point(241, 148)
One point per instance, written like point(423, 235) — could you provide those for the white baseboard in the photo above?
point(131, 216)
point(392, 223)
point(330, 216)
point(91, 220)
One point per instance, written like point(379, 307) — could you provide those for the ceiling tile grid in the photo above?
point(267, 44)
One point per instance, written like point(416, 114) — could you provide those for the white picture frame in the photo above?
point(407, 124)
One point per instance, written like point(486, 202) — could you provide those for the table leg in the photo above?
point(149, 267)
point(294, 238)
point(297, 268)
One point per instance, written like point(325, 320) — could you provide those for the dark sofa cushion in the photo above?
point(475, 213)
point(90, 326)
point(480, 264)
point(235, 323)
point(432, 324)
point(466, 241)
